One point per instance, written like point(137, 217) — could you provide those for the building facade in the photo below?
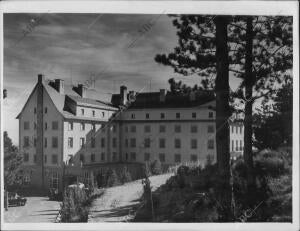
point(63, 131)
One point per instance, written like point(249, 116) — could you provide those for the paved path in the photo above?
point(37, 209)
point(117, 202)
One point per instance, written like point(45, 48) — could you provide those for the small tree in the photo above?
point(12, 163)
point(156, 167)
point(112, 178)
point(125, 175)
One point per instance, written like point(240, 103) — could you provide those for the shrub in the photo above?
point(155, 167)
point(125, 176)
point(112, 178)
point(72, 208)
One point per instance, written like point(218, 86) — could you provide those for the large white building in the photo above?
point(63, 131)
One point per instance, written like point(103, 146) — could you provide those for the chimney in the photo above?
point(59, 85)
point(192, 96)
point(162, 95)
point(82, 90)
point(41, 78)
point(123, 95)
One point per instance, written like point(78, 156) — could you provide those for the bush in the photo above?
point(155, 167)
point(112, 178)
point(125, 176)
point(73, 208)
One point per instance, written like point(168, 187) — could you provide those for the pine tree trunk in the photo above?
point(222, 115)
point(248, 105)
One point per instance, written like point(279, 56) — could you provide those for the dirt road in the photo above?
point(117, 203)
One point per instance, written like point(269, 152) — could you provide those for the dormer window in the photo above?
point(82, 111)
point(93, 112)
point(132, 116)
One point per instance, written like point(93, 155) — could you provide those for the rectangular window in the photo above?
point(93, 113)
point(210, 129)
point(81, 142)
point(114, 156)
point(232, 129)
point(35, 110)
point(103, 114)
point(211, 144)
point(54, 142)
point(236, 129)
point(54, 159)
point(147, 116)
point(46, 126)
point(146, 156)
point(34, 158)
point(194, 115)
point(114, 128)
point(194, 129)
point(34, 142)
point(45, 142)
point(241, 129)
point(133, 156)
point(162, 157)
point(177, 128)
point(177, 115)
point(26, 141)
point(126, 129)
point(177, 143)
point(210, 114)
point(193, 144)
point(132, 128)
point(147, 128)
point(236, 145)
point(102, 156)
point(34, 125)
point(241, 145)
point(26, 125)
point(102, 142)
point(114, 142)
point(70, 142)
point(132, 142)
point(162, 115)
point(82, 111)
point(132, 116)
point(54, 125)
point(232, 145)
point(162, 143)
point(177, 158)
point(126, 143)
point(82, 126)
point(45, 158)
point(147, 143)
point(26, 157)
point(162, 128)
point(81, 158)
point(46, 110)
point(70, 126)
point(93, 142)
point(194, 158)
point(93, 157)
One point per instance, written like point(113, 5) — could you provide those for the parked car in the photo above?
point(54, 194)
point(16, 200)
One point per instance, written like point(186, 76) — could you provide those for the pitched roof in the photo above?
point(152, 100)
point(59, 100)
point(91, 103)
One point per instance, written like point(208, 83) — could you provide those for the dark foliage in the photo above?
point(156, 167)
point(112, 178)
point(12, 162)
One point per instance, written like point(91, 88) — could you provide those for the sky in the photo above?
point(115, 49)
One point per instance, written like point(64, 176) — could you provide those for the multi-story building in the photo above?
point(63, 130)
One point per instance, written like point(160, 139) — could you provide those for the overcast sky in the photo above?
point(73, 47)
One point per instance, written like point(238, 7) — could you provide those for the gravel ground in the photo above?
point(37, 209)
point(118, 203)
